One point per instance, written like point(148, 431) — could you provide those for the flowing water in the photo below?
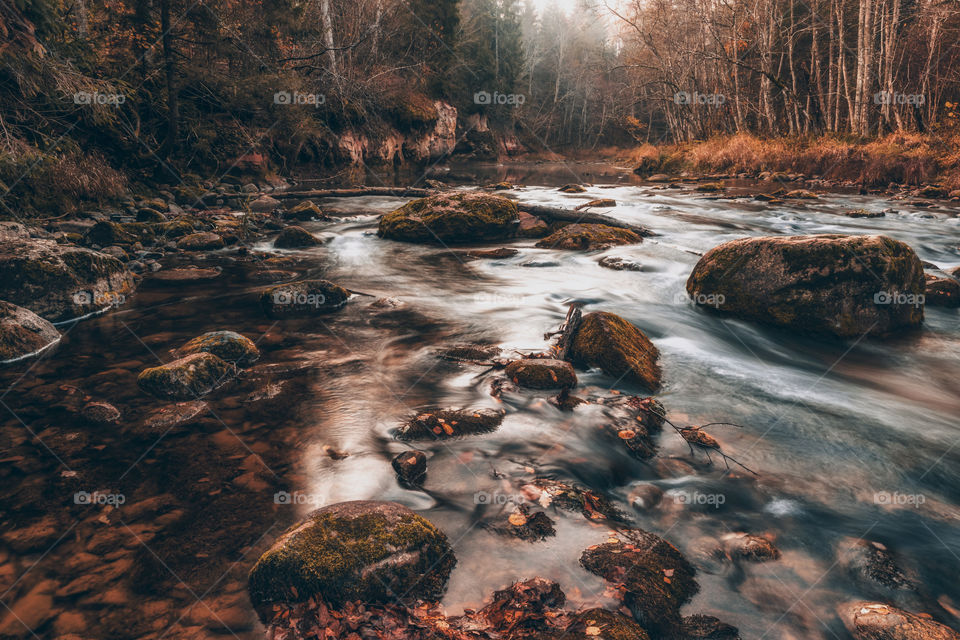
point(849, 439)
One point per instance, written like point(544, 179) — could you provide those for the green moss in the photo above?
point(451, 218)
point(371, 557)
point(618, 348)
point(588, 236)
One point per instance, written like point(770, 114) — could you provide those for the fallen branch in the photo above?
point(567, 330)
point(553, 214)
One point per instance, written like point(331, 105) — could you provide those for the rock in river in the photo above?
point(373, 552)
point(942, 292)
point(226, 345)
point(618, 348)
point(187, 378)
point(305, 298)
point(450, 423)
point(535, 373)
point(452, 218)
point(203, 241)
point(588, 236)
point(876, 621)
point(23, 333)
point(411, 468)
point(295, 238)
point(844, 285)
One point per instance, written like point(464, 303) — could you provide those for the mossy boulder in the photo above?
point(588, 236)
point(844, 285)
point(366, 551)
point(608, 625)
point(452, 218)
point(616, 347)
point(537, 373)
point(878, 621)
point(440, 424)
point(295, 238)
point(306, 210)
point(941, 292)
point(60, 282)
point(188, 378)
point(305, 298)
point(203, 241)
point(226, 345)
point(656, 580)
point(22, 332)
point(572, 188)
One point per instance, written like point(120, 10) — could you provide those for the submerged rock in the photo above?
point(499, 253)
point(100, 413)
point(451, 218)
point(744, 546)
point(608, 625)
point(877, 621)
point(203, 241)
point(941, 292)
point(572, 188)
point(172, 417)
point(60, 282)
point(619, 264)
point(524, 524)
point(23, 333)
point(470, 353)
point(863, 213)
point(367, 551)
point(226, 345)
point(410, 467)
point(537, 373)
point(305, 298)
point(188, 378)
point(569, 497)
point(450, 423)
point(589, 236)
point(185, 275)
point(701, 627)
point(844, 285)
point(872, 562)
point(656, 580)
point(618, 348)
point(295, 238)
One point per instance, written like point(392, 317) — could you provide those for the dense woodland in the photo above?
point(97, 92)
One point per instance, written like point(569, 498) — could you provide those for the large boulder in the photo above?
point(367, 551)
point(305, 298)
point(844, 285)
point(618, 348)
point(226, 345)
point(23, 333)
point(877, 621)
point(452, 218)
point(60, 282)
point(589, 236)
point(188, 378)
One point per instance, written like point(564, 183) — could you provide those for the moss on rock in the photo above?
point(372, 552)
point(608, 625)
point(542, 373)
point(451, 218)
point(23, 332)
point(588, 236)
point(203, 241)
point(295, 238)
point(449, 423)
point(618, 348)
point(226, 345)
point(188, 378)
point(304, 298)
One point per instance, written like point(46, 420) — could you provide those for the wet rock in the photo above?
point(744, 546)
point(188, 378)
point(844, 285)
point(38, 536)
point(588, 237)
point(540, 264)
point(471, 353)
point(655, 578)
point(23, 333)
point(572, 188)
point(264, 204)
point(536, 373)
point(618, 348)
point(502, 252)
point(701, 627)
point(801, 194)
point(451, 218)
point(646, 496)
point(226, 345)
point(100, 413)
point(872, 562)
point(450, 423)
point(185, 275)
point(941, 292)
point(709, 187)
point(29, 612)
point(203, 241)
point(524, 609)
point(411, 468)
point(499, 186)
point(876, 621)
point(531, 226)
point(569, 497)
point(523, 524)
point(369, 551)
point(606, 625)
point(863, 213)
point(602, 203)
point(305, 298)
point(619, 264)
point(295, 238)
point(105, 233)
point(304, 211)
point(173, 416)
point(147, 214)
point(60, 282)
